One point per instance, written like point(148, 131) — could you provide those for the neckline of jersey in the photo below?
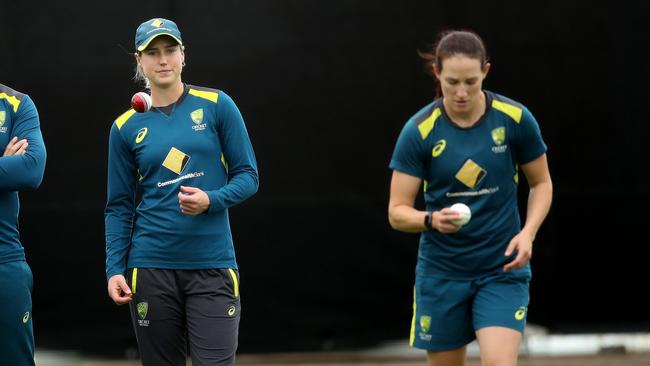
point(172, 107)
point(488, 103)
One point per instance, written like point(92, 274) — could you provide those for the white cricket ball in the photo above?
point(464, 211)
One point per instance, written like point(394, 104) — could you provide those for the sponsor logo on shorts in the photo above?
point(232, 310)
point(143, 309)
point(26, 317)
point(521, 313)
point(425, 326)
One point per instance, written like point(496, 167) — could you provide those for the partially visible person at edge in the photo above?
point(21, 169)
point(171, 256)
point(468, 146)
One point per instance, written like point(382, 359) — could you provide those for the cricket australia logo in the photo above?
point(425, 326)
point(499, 137)
point(143, 308)
point(197, 118)
point(3, 117)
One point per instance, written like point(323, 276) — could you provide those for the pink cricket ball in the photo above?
point(141, 102)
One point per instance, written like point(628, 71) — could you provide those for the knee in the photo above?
point(498, 361)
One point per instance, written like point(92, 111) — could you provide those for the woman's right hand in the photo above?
point(118, 290)
point(441, 220)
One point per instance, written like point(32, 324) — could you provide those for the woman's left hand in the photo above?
point(523, 244)
point(193, 201)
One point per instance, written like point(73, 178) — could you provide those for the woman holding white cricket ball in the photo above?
point(468, 147)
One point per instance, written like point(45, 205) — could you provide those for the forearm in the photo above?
point(406, 218)
point(116, 260)
point(240, 187)
point(539, 203)
point(22, 172)
point(118, 241)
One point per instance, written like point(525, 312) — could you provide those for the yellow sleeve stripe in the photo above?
point(426, 126)
point(211, 96)
point(235, 281)
point(509, 109)
point(121, 120)
point(12, 100)
point(134, 280)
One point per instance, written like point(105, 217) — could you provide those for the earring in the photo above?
point(183, 64)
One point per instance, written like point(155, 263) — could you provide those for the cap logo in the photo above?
point(157, 23)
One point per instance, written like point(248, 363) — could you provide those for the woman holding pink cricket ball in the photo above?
point(171, 255)
point(468, 147)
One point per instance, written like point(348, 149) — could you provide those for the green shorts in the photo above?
point(447, 313)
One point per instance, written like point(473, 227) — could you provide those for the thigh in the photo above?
point(500, 309)
point(442, 318)
point(501, 300)
point(498, 345)
point(213, 313)
point(158, 316)
point(16, 329)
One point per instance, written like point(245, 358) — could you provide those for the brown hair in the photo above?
point(450, 43)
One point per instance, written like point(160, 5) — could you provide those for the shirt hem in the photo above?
point(168, 265)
